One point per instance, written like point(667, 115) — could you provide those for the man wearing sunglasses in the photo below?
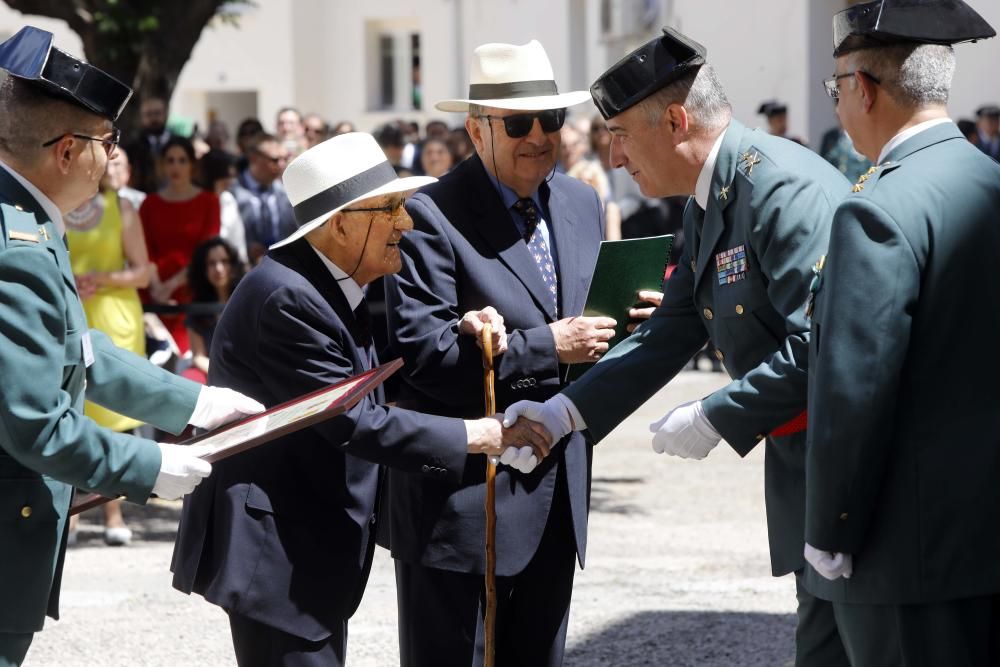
point(757, 222)
point(56, 136)
point(502, 229)
point(261, 197)
point(903, 464)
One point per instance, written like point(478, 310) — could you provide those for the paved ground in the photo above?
point(677, 574)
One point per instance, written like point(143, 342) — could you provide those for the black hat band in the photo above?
point(344, 192)
point(503, 91)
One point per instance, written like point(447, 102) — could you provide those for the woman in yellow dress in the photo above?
point(108, 254)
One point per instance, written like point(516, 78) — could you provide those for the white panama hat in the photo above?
point(337, 173)
point(508, 76)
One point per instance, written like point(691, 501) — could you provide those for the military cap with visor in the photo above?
point(651, 67)
point(30, 56)
point(889, 22)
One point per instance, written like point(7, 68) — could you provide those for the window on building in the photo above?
point(394, 64)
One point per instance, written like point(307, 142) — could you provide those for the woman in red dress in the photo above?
point(176, 220)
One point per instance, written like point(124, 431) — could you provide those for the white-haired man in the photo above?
point(903, 463)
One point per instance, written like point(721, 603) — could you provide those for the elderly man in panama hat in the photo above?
point(283, 537)
point(502, 229)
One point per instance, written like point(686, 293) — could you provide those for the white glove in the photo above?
point(830, 565)
point(519, 458)
point(685, 432)
point(217, 406)
point(553, 414)
point(180, 470)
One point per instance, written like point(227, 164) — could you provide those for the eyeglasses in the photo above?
point(391, 209)
point(520, 124)
point(109, 143)
point(833, 88)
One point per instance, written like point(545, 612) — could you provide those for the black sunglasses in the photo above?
point(520, 124)
point(273, 160)
point(109, 143)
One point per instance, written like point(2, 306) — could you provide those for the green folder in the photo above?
point(623, 268)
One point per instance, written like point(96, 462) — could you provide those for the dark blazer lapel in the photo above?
point(301, 258)
point(722, 182)
point(571, 288)
point(495, 225)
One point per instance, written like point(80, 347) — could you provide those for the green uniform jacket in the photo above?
point(47, 446)
point(742, 281)
point(903, 467)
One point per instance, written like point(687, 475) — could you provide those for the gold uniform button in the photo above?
point(26, 511)
point(739, 309)
point(708, 313)
point(843, 517)
point(719, 355)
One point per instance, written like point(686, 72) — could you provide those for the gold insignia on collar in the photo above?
point(22, 236)
point(751, 161)
point(724, 192)
point(860, 185)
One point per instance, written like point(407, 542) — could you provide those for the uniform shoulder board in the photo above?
point(17, 226)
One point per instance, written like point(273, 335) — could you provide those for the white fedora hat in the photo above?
point(337, 173)
point(508, 76)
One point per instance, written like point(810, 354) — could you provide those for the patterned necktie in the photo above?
point(538, 248)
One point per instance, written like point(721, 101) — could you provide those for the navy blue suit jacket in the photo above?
point(283, 533)
point(464, 254)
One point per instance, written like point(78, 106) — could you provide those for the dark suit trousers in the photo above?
point(441, 612)
point(956, 633)
point(817, 641)
point(260, 645)
point(13, 648)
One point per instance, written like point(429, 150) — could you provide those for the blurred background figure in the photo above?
point(969, 130)
point(435, 158)
point(217, 173)
point(248, 129)
point(263, 204)
point(213, 274)
point(838, 149)
point(316, 129)
point(776, 114)
point(290, 130)
point(577, 159)
point(118, 174)
point(145, 148)
point(176, 219)
point(217, 136)
point(343, 127)
point(460, 143)
point(988, 120)
point(110, 263)
point(390, 139)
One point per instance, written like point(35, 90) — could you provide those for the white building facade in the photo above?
point(370, 62)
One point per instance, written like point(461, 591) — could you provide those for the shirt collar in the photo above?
point(352, 291)
point(703, 185)
point(254, 185)
point(907, 134)
point(510, 197)
point(50, 208)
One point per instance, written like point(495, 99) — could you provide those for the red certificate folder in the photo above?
point(281, 420)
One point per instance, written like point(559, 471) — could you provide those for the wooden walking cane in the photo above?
point(489, 624)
